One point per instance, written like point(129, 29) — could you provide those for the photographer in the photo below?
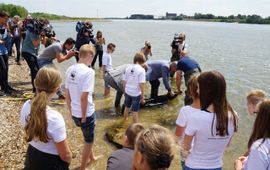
point(31, 46)
point(58, 51)
point(84, 34)
point(15, 29)
point(178, 44)
point(4, 54)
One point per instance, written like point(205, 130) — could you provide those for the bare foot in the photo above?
point(93, 160)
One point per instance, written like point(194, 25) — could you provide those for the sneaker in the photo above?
point(2, 93)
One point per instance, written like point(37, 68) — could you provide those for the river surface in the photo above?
point(239, 51)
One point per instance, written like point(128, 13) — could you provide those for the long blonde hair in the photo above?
point(47, 81)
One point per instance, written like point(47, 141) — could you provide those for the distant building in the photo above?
point(170, 15)
point(141, 16)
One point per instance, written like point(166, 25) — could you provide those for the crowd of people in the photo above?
point(205, 126)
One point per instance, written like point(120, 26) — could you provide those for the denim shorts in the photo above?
point(88, 128)
point(133, 102)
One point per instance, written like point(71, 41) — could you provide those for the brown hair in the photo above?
point(47, 81)
point(212, 87)
point(86, 49)
point(132, 131)
point(139, 58)
point(261, 127)
point(192, 87)
point(110, 46)
point(99, 33)
point(255, 96)
point(156, 144)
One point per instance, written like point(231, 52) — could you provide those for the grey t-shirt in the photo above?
point(120, 159)
point(51, 52)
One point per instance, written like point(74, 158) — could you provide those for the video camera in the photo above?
point(176, 41)
point(48, 31)
point(39, 27)
point(84, 29)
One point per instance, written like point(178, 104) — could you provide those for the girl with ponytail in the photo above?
point(44, 127)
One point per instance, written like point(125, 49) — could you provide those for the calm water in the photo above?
point(239, 51)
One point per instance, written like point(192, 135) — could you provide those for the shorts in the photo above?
point(107, 80)
point(88, 128)
point(133, 102)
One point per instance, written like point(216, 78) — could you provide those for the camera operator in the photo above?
point(178, 44)
point(4, 54)
point(47, 34)
point(84, 34)
point(15, 29)
point(31, 46)
point(58, 51)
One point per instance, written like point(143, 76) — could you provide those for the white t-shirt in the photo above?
point(259, 156)
point(133, 76)
point(207, 150)
point(184, 115)
point(56, 129)
point(79, 79)
point(107, 61)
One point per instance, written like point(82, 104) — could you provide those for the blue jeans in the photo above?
point(133, 102)
point(17, 42)
point(43, 62)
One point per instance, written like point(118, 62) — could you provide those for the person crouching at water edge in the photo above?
point(79, 89)
point(154, 149)
point(212, 127)
point(44, 127)
point(122, 159)
point(133, 85)
point(259, 142)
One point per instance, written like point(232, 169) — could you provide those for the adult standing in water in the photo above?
point(44, 127)
point(212, 127)
point(187, 67)
point(99, 42)
point(84, 34)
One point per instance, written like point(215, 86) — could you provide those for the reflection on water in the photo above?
point(239, 51)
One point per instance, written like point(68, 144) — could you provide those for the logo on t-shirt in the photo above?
point(72, 75)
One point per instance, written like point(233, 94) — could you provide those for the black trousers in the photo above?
point(33, 65)
point(154, 88)
point(4, 72)
point(99, 54)
point(37, 160)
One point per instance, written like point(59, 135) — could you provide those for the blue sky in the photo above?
point(123, 8)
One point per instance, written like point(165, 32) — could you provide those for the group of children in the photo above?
point(205, 127)
point(45, 127)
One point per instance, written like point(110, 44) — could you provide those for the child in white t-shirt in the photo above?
point(186, 111)
point(133, 85)
point(44, 127)
point(107, 66)
point(212, 127)
point(79, 89)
